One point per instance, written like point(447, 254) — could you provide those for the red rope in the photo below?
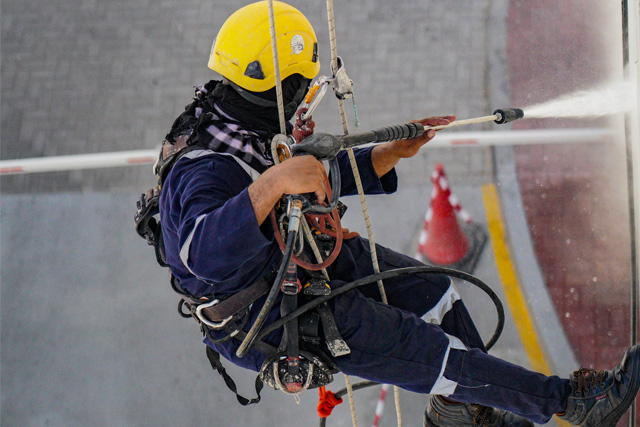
point(327, 402)
point(337, 232)
point(303, 127)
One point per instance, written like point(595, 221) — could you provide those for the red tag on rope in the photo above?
point(327, 402)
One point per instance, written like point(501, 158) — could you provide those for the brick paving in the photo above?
point(84, 76)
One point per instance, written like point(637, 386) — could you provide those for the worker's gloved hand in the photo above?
point(409, 147)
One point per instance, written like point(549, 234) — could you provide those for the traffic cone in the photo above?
point(443, 241)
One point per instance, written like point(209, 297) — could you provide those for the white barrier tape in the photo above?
point(457, 139)
point(81, 161)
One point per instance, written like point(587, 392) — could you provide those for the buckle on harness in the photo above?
point(312, 372)
point(209, 323)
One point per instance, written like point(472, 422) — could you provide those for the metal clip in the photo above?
point(209, 323)
point(324, 84)
point(342, 84)
point(280, 148)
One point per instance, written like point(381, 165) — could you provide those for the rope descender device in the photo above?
point(341, 83)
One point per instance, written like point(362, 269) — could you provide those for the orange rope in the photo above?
point(335, 230)
point(326, 402)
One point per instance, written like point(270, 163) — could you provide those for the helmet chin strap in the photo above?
point(250, 96)
point(289, 108)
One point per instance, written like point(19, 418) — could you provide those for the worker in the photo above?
point(215, 207)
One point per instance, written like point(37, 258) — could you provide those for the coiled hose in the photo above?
point(387, 275)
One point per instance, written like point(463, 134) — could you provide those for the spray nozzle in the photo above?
point(506, 115)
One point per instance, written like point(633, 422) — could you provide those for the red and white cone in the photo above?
point(442, 240)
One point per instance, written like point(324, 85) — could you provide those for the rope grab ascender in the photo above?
point(298, 363)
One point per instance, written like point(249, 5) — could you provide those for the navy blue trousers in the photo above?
point(442, 354)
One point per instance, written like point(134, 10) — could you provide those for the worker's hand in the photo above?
point(386, 156)
point(297, 175)
point(300, 175)
point(405, 148)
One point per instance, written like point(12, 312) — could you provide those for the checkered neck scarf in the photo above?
point(218, 131)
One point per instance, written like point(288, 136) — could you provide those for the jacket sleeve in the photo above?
point(220, 241)
point(387, 184)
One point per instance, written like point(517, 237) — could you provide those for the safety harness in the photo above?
point(298, 363)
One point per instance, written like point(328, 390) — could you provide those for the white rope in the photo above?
point(276, 67)
point(352, 405)
point(308, 235)
point(345, 126)
point(363, 202)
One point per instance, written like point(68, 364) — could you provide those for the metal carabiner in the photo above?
point(324, 83)
point(209, 323)
point(280, 147)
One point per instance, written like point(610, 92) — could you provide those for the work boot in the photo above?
point(444, 414)
point(600, 398)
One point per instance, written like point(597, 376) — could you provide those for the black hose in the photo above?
point(387, 275)
point(394, 273)
point(250, 339)
point(336, 183)
point(255, 334)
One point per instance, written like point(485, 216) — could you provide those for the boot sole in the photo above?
point(428, 423)
point(612, 419)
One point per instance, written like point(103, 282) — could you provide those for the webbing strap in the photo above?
point(214, 359)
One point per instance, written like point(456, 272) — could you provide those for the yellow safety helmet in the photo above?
point(242, 51)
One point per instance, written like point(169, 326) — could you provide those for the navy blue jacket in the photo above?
point(214, 245)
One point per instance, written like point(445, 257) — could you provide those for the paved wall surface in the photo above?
point(575, 196)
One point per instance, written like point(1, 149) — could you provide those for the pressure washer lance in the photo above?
point(325, 146)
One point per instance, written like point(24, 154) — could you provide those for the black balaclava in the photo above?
point(259, 110)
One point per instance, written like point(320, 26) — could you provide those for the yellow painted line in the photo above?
point(510, 284)
point(513, 292)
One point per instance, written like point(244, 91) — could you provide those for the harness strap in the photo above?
point(336, 344)
point(169, 155)
point(214, 359)
point(236, 302)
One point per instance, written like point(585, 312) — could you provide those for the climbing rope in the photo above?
point(276, 67)
point(363, 202)
point(354, 167)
